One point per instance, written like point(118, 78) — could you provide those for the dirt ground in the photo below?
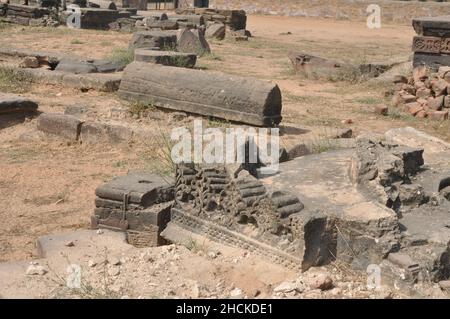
point(47, 186)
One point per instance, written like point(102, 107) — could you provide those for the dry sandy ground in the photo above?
point(47, 185)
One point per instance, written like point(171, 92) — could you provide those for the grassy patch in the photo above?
point(368, 100)
point(125, 56)
point(140, 109)
point(76, 41)
point(13, 80)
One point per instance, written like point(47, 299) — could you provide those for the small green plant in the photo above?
point(120, 55)
point(137, 108)
point(195, 246)
point(13, 80)
point(76, 41)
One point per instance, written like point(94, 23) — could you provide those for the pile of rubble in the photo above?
point(234, 19)
point(425, 94)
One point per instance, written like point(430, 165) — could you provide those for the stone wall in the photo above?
point(391, 11)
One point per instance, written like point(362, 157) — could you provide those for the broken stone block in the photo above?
point(447, 101)
point(410, 267)
point(104, 66)
point(154, 39)
point(438, 115)
point(59, 124)
point(192, 41)
point(381, 109)
point(413, 108)
point(141, 188)
point(94, 18)
point(436, 103)
point(30, 62)
point(162, 24)
point(10, 103)
point(241, 99)
point(76, 67)
point(439, 87)
point(313, 65)
point(169, 58)
point(402, 97)
point(216, 31)
point(102, 4)
point(94, 132)
point(423, 93)
point(442, 71)
point(138, 204)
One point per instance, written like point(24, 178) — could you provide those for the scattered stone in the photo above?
point(59, 124)
point(92, 263)
point(169, 58)
point(114, 261)
point(439, 115)
point(30, 62)
point(216, 31)
point(287, 286)
point(36, 270)
point(192, 41)
point(76, 67)
point(236, 293)
point(69, 244)
point(99, 231)
point(322, 282)
point(381, 109)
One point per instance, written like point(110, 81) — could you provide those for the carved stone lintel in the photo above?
point(427, 44)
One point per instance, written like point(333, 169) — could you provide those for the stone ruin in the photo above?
point(431, 46)
point(382, 202)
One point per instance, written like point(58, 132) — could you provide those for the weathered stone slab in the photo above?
point(102, 4)
point(207, 93)
point(10, 103)
point(59, 124)
point(161, 24)
point(169, 58)
point(95, 18)
point(141, 188)
point(94, 133)
point(433, 61)
point(216, 31)
point(91, 81)
point(192, 41)
point(153, 39)
point(76, 67)
point(432, 26)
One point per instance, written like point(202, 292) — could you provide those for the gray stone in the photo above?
point(432, 26)
point(102, 4)
point(142, 188)
point(433, 61)
point(95, 18)
point(192, 41)
point(10, 103)
point(76, 67)
point(207, 93)
point(162, 24)
point(94, 132)
point(105, 66)
point(59, 124)
point(216, 31)
point(169, 58)
point(153, 39)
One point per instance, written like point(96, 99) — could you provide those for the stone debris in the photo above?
point(322, 282)
point(192, 41)
point(216, 31)
point(431, 45)
point(168, 58)
point(425, 94)
point(233, 19)
point(36, 270)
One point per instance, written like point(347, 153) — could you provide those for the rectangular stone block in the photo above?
point(215, 94)
point(432, 26)
point(427, 44)
point(433, 61)
point(94, 133)
point(10, 103)
point(65, 126)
